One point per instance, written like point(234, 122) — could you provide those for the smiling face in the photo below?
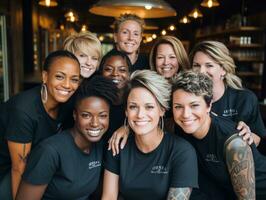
point(91, 118)
point(116, 69)
point(128, 37)
point(88, 63)
point(143, 111)
point(61, 79)
point(191, 113)
point(205, 64)
point(166, 61)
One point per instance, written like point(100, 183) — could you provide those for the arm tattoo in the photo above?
point(24, 156)
point(179, 193)
point(239, 160)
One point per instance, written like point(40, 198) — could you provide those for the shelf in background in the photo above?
point(247, 73)
point(252, 45)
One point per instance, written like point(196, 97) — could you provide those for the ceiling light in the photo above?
point(195, 13)
point(184, 20)
point(48, 3)
point(71, 16)
point(209, 3)
point(172, 28)
point(154, 36)
point(163, 32)
point(143, 8)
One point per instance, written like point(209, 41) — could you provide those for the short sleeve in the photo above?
point(19, 127)
point(112, 163)
point(185, 167)
point(42, 165)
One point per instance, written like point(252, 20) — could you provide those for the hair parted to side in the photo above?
point(115, 52)
point(153, 82)
point(125, 17)
point(97, 86)
point(180, 52)
point(56, 55)
point(221, 55)
point(195, 83)
point(86, 42)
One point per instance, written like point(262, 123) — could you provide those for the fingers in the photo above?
point(124, 141)
point(243, 128)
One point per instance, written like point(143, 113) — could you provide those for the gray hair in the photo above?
point(155, 83)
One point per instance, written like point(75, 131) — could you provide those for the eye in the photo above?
point(136, 34)
point(177, 107)
point(149, 107)
point(209, 65)
point(195, 105)
point(123, 70)
point(82, 55)
point(95, 58)
point(59, 77)
point(104, 116)
point(85, 115)
point(173, 57)
point(107, 69)
point(195, 65)
point(132, 107)
point(75, 80)
point(159, 57)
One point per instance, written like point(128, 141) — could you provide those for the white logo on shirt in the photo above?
point(159, 169)
point(230, 112)
point(94, 164)
point(211, 158)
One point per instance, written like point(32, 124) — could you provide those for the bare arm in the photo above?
point(30, 192)
point(179, 193)
point(18, 153)
point(240, 164)
point(110, 186)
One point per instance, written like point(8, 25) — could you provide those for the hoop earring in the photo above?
point(44, 94)
point(161, 123)
point(125, 122)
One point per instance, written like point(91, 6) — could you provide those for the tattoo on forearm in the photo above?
point(179, 194)
point(239, 159)
point(24, 155)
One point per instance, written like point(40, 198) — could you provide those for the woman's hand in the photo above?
point(246, 133)
point(120, 134)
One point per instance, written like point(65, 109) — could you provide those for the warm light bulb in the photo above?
point(148, 7)
point(154, 36)
point(195, 14)
point(185, 20)
point(47, 3)
point(172, 27)
point(101, 38)
point(84, 28)
point(163, 32)
point(210, 3)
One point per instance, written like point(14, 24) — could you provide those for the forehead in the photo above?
point(88, 52)
point(164, 47)
point(185, 97)
point(116, 60)
point(130, 24)
point(93, 103)
point(141, 95)
point(202, 57)
point(64, 64)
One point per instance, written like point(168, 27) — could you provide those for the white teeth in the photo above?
point(141, 123)
point(86, 68)
point(187, 122)
point(116, 81)
point(63, 92)
point(166, 68)
point(94, 132)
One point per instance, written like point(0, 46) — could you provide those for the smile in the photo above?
point(188, 122)
point(141, 123)
point(166, 69)
point(64, 92)
point(94, 133)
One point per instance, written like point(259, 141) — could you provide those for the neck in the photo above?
point(200, 134)
point(51, 108)
point(148, 142)
point(218, 91)
point(80, 141)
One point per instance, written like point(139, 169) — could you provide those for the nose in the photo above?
point(130, 36)
point(203, 69)
point(88, 62)
point(94, 121)
point(166, 61)
point(66, 83)
point(186, 112)
point(140, 113)
point(115, 72)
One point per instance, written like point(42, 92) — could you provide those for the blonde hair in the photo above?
point(221, 55)
point(126, 17)
point(180, 52)
point(155, 83)
point(86, 42)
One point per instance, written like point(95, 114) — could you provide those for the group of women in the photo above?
point(206, 153)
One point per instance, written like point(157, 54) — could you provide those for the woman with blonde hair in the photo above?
point(168, 56)
point(230, 99)
point(87, 48)
point(128, 29)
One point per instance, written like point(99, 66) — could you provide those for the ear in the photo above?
point(44, 76)
point(74, 114)
point(162, 112)
point(115, 37)
point(210, 106)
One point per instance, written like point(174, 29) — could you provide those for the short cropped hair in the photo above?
point(180, 52)
point(221, 55)
point(56, 55)
point(86, 42)
point(153, 82)
point(195, 83)
point(115, 52)
point(125, 17)
point(97, 86)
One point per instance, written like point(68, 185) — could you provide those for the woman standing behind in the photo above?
point(154, 164)
point(33, 115)
point(87, 48)
point(230, 99)
point(168, 57)
point(128, 29)
point(68, 165)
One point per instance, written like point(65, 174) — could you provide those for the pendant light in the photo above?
point(142, 8)
point(210, 3)
point(195, 13)
point(48, 3)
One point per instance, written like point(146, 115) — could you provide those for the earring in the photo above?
point(125, 122)
point(161, 123)
point(222, 77)
point(44, 94)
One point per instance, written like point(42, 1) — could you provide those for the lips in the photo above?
point(116, 81)
point(64, 92)
point(94, 132)
point(141, 123)
point(188, 122)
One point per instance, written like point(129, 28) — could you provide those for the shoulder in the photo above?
point(58, 142)
point(242, 95)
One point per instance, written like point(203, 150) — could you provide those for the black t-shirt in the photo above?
point(23, 119)
point(150, 175)
point(141, 63)
point(210, 152)
point(241, 105)
point(69, 172)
